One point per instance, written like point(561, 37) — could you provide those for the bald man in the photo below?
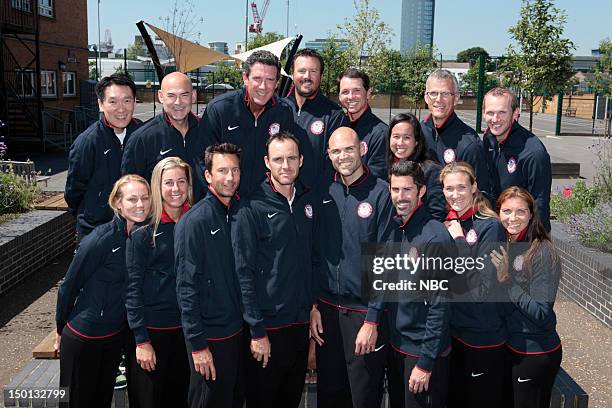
point(350, 331)
point(174, 132)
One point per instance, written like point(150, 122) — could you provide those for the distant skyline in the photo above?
point(458, 24)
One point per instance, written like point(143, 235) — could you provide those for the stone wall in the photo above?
point(31, 241)
point(586, 276)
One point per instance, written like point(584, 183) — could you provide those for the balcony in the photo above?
point(16, 16)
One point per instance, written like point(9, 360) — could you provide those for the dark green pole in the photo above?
point(480, 93)
point(559, 114)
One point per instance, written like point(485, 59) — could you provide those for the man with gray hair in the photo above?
point(449, 139)
point(248, 116)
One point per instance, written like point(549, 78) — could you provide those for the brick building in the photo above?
point(43, 59)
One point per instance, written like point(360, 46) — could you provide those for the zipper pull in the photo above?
point(101, 312)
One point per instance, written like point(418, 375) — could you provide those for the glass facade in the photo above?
point(417, 24)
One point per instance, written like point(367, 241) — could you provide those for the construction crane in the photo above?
point(257, 25)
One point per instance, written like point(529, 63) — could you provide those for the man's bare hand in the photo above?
point(261, 350)
point(203, 362)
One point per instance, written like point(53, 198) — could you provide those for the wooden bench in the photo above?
point(564, 169)
point(570, 112)
point(56, 203)
point(42, 372)
point(26, 170)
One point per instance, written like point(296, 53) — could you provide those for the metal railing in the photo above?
point(19, 15)
point(57, 128)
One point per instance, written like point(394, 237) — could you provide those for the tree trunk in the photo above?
point(531, 98)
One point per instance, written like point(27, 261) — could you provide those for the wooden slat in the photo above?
point(45, 349)
point(56, 203)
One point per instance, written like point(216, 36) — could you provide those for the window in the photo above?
point(25, 81)
point(69, 79)
point(47, 83)
point(45, 8)
point(23, 5)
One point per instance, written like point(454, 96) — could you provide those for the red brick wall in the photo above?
point(60, 36)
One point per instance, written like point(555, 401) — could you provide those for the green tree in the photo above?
point(385, 71)
point(336, 60)
point(471, 55)
point(227, 74)
point(366, 34)
point(418, 63)
point(602, 82)
point(135, 50)
point(541, 65)
point(470, 81)
point(93, 70)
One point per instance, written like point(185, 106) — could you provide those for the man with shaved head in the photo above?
point(174, 132)
point(349, 330)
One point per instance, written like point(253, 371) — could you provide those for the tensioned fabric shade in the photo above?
point(188, 55)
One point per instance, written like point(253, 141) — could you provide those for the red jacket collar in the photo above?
point(165, 218)
point(364, 176)
point(218, 197)
point(410, 216)
point(452, 214)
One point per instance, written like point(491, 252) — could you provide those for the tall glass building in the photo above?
point(417, 24)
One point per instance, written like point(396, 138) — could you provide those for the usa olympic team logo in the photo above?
point(449, 156)
point(364, 210)
point(413, 253)
point(317, 127)
point(308, 210)
point(274, 129)
point(471, 237)
point(511, 165)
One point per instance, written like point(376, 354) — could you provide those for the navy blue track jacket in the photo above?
point(373, 133)
point(316, 120)
point(521, 160)
point(94, 164)
point(351, 215)
point(456, 141)
point(228, 119)
point(420, 326)
point(91, 299)
point(478, 322)
point(273, 246)
point(206, 283)
point(151, 290)
point(530, 319)
point(158, 139)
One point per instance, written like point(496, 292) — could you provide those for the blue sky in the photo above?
point(459, 24)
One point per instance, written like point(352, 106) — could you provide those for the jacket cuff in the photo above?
point(198, 344)
point(258, 331)
point(141, 335)
point(60, 327)
point(425, 363)
point(373, 316)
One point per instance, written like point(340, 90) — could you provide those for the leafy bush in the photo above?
point(581, 198)
point(16, 196)
point(594, 227)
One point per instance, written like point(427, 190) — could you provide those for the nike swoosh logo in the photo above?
point(327, 201)
point(116, 249)
point(232, 128)
point(272, 215)
point(106, 151)
point(477, 375)
point(158, 234)
point(215, 231)
point(162, 152)
point(523, 380)
point(379, 348)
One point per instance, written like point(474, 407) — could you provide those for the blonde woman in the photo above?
point(90, 315)
point(158, 374)
point(477, 327)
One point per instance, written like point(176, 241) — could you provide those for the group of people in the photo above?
point(221, 254)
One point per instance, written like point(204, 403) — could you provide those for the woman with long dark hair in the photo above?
point(406, 141)
point(91, 315)
point(158, 374)
point(477, 326)
point(529, 272)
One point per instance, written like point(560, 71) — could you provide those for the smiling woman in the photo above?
point(90, 312)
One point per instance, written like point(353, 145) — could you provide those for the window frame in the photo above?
point(65, 81)
point(44, 86)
